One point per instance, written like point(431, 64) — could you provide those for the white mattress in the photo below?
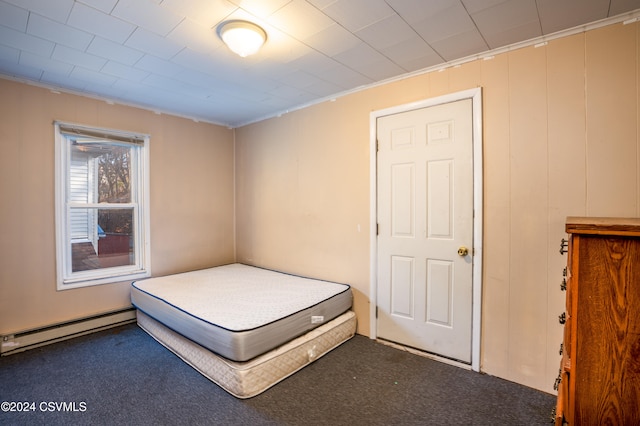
point(240, 311)
point(248, 379)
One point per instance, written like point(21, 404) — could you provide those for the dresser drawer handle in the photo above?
point(564, 246)
point(556, 384)
point(562, 318)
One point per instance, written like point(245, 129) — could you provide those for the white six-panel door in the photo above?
point(425, 229)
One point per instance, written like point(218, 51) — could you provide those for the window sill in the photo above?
point(72, 283)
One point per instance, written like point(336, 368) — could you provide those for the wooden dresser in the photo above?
point(599, 381)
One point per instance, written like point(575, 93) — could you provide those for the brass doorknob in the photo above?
point(463, 251)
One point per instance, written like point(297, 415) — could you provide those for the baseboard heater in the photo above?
point(19, 342)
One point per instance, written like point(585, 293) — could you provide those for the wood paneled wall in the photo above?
point(192, 223)
point(560, 138)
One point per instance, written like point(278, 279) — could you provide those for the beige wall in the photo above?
point(191, 168)
point(561, 125)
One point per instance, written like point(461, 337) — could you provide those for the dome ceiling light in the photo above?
point(242, 37)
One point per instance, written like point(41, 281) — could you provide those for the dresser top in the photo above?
point(603, 225)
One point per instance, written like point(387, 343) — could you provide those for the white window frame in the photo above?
point(141, 268)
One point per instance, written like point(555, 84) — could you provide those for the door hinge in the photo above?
point(376, 312)
point(377, 229)
point(377, 145)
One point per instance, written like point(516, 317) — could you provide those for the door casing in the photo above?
point(476, 97)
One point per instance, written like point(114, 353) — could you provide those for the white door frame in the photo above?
point(476, 97)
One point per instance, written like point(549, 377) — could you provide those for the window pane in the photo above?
point(83, 225)
point(108, 242)
point(100, 172)
point(101, 205)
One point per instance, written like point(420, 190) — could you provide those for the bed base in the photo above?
point(250, 378)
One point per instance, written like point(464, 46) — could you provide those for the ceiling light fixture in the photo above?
point(242, 37)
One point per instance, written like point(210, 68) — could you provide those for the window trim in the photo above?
point(65, 278)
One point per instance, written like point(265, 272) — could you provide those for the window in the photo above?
point(102, 216)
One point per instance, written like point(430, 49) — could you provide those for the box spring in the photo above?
point(250, 378)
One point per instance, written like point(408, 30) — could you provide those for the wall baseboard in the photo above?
point(19, 342)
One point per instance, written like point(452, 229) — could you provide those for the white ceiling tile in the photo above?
point(45, 64)
point(459, 46)
point(512, 35)
point(147, 41)
point(248, 79)
point(22, 41)
point(299, 79)
point(156, 65)
point(151, 96)
point(116, 69)
point(246, 84)
point(9, 54)
point(508, 22)
point(270, 100)
point(333, 40)
point(97, 87)
point(323, 88)
point(147, 15)
point(116, 94)
point(311, 61)
point(266, 69)
point(233, 91)
point(261, 8)
point(321, 4)
point(445, 23)
point(413, 54)
point(475, 6)
point(95, 22)
point(168, 85)
point(622, 6)
point(191, 59)
point(343, 76)
point(291, 93)
point(105, 6)
point(92, 77)
point(300, 19)
point(205, 12)
point(357, 14)
point(56, 32)
point(281, 47)
point(414, 11)
point(387, 32)
point(126, 86)
point(63, 81)
point(114, 51)
point(556, 15)
point(15, 70)
point(76, 57)
point(507, 14)
point(381, 69)
point(362, 57)
point(57, 10)
point(174, 85)
point(13, 17)
point(195, 36)
point(211, 85)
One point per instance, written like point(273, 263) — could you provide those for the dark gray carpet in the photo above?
point(124, 377)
